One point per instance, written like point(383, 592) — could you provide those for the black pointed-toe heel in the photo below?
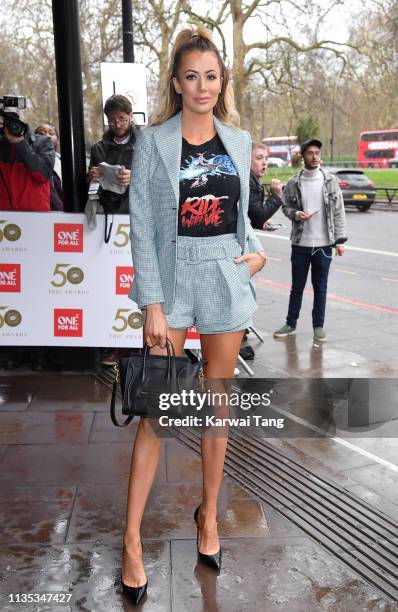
point(213, 561)
point(135, 594)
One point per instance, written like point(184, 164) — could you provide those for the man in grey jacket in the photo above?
point(312, 200)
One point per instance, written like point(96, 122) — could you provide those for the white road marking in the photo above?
point(345, 271)
point(391, 280)
point(374, 251)
point(348, 248)
point(268, 235)
point(353, 447)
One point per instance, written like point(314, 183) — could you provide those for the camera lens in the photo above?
point(14, 126)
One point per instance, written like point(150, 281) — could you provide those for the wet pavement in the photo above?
point(63, 483)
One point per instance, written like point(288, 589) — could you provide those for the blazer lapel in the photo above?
point(233, 146)
point(168, 140)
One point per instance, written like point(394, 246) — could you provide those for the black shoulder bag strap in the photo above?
point(113, 403)
point(108, 232)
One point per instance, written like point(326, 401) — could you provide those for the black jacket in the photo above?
point(106, 150)
point(260, 210)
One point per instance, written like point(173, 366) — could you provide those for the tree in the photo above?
point(156, 24)
point(307, 127)
point(272, 58)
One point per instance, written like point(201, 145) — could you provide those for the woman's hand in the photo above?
point(123, 177)
point(155, 328)
point(255, 261)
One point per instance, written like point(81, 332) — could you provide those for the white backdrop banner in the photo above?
point(61, 285)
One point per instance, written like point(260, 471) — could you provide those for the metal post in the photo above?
point(332, 127)
point(128, 33)
point(70, 102)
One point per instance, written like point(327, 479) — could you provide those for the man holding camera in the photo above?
point(26, 161)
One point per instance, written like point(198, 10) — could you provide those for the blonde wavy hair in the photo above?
point(196, 39)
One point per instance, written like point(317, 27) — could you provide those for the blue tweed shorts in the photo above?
point(212, 291)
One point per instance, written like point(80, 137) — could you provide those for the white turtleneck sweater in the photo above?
point(315, 233)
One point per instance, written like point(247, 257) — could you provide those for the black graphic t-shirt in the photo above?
point(209, 190)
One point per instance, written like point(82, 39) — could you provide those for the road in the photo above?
point(368, 271)
point(362, 307)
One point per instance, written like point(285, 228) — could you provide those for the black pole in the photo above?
point(128, 34)
point(70, 102)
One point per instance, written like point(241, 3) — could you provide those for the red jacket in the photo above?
point(25, 171)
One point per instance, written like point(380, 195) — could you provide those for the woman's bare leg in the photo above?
point(221, 352)
point(144, 463)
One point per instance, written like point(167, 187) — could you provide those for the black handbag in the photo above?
point(143, 378)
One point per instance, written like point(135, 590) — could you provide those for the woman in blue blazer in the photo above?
point(194, 255)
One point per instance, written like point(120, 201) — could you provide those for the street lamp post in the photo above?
point(128, 32)
point(333, 119)
point(70, 103)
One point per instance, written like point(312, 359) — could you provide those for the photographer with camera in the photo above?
point(26, 160)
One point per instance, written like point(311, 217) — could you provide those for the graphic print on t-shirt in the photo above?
point(209, 190)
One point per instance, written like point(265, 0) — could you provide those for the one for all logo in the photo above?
point(68, 322)
point(68, 237)
point(124, 279)
point(192, 334)
point(10, 277)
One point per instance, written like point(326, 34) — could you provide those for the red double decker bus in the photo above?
point(378, 148)
point(283, 147)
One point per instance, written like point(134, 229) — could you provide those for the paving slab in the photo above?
point(16, 397)
point(269, 575)
point(378, 479)
point(45, 428)
point(90, 573)
point(169, 513)
point(68, 464)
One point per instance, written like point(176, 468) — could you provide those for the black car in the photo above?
point(357, 188)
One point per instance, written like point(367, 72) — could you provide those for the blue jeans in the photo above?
point(319, 258)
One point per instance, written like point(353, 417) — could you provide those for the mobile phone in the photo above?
point(274, 227)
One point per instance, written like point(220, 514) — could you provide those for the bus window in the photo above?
point(377, 147)
point(283, 147)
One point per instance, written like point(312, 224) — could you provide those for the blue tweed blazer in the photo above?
point(154, 201)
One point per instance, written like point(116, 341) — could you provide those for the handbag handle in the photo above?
point(171, 363)
point(113, 403)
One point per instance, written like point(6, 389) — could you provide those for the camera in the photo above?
point(11, 119)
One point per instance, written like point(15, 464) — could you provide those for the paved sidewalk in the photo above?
point(63, 481)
